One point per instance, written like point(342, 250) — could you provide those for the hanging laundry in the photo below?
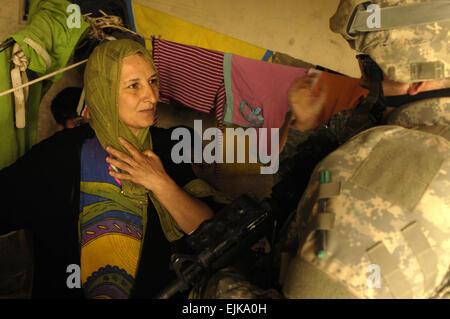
point(257, 92)
point(344, 93)
point(285, 59)
point(190, 75)
point(151, 22)
point(47, 43)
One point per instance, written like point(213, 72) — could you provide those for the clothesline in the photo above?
point(97, 24)
point(43, 77)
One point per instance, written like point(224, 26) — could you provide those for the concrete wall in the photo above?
point(299, 28)
point(9, 17)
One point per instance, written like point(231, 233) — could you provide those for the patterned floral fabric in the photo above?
point(111, 230)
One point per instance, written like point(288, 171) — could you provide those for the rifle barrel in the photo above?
point(171, 290)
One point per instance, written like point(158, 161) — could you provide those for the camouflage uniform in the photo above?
point(392, 181)
point(394, 184)
point(228, 283)
point(387, 221)
point(406, 54)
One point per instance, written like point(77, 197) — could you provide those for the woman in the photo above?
point(105, 196)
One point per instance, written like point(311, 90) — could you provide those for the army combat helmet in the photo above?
point(408, 39)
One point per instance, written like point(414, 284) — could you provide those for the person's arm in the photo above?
point(13, 199)
point(146, 169)
point(186, 210)
point(21, 191)
point(39, 180)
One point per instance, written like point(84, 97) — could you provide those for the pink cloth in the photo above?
point(257, 92)
point(261, 85)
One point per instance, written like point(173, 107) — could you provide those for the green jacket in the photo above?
point(47, 26)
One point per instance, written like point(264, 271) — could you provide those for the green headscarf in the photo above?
point(101, 79)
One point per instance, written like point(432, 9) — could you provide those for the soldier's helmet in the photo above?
point(408, 39)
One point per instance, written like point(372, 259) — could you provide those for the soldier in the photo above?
point(373, 221)
point(403, 60)
point(380, 234)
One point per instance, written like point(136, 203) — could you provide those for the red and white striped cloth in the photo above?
point(190, 75)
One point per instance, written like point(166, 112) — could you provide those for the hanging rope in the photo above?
point(19, 76)
point(43, 77)
point(100, 23)
point(96, 32)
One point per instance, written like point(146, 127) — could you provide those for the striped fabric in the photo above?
point(191, 76)
point(221, 100)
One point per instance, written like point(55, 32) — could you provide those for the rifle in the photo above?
point(233, 230)
point(220, 240)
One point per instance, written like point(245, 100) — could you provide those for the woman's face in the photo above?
point(138, 93)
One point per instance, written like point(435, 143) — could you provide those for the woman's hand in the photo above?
point(306, 105)
point(147, 170)
point(144, 168)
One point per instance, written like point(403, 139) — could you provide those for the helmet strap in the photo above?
point(375, 103)
point(398, 100)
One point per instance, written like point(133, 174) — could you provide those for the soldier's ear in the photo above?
point(415, 88)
